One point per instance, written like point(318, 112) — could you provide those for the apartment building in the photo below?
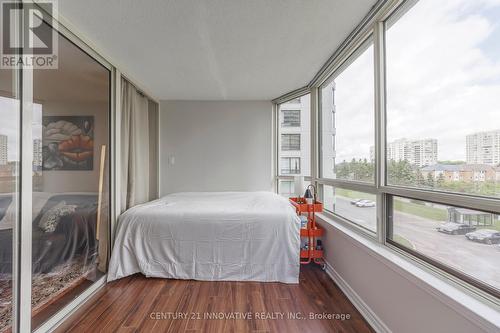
point(418, 152)
point(3, 149)
point(483, 148)
point(462, 172)
point(294, 141)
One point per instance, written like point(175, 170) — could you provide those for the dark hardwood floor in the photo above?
point(139, 304)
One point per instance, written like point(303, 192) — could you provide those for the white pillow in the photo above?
point(39, 200)
point(51, 218)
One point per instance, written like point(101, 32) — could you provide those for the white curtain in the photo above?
point(135, 141)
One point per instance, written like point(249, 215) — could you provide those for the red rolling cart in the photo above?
point(311, 231)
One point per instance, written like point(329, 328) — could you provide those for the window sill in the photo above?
point(479, 311)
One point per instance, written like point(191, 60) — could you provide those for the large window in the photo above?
point(443, 135)
point(443, 97)
point(423, 91)
point(462, 239)
point(347, 120)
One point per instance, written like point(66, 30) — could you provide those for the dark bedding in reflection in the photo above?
point(73, 234)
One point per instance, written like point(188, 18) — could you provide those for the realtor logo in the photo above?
point(29, 36)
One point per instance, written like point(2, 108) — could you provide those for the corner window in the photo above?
point(443, 135)
point(443, 119)
point(347, 119)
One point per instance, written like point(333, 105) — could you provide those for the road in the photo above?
point(478, 260)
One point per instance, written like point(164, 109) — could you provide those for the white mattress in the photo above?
point(223, 236)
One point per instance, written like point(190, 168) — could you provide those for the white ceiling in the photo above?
point(217, 49)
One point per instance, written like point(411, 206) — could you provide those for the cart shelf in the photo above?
point(311, 231)
point(317, 232)
point(302, 207)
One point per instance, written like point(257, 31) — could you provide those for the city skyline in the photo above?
point(451, 96)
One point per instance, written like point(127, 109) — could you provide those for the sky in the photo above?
point(9, 124)
point(443, 79)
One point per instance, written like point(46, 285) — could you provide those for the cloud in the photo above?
point(443, 79)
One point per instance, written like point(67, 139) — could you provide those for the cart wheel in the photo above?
point(323, 267)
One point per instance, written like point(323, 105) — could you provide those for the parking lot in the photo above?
point(478, 260)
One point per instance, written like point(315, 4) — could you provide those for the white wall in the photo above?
point(217, 146)
point(392, 294)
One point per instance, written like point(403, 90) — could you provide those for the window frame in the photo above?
point(282, 124)
point(374, 26)
point(440, 265)
point(290, 147)
point(364, 43)
point(290, 159)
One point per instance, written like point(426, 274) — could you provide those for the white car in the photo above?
point(365, 203)
point(355, 201)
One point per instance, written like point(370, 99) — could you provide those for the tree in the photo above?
point(401, 172)
point(420, 178)
point(430, 180)
point(440, 181)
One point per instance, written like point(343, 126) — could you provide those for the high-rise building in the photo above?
point(3, 149)
point(295, 144)
point(483, 148)
point(417, 152)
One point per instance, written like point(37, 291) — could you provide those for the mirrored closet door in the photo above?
point(71, 197)
point(55, 181)
point(9, 190)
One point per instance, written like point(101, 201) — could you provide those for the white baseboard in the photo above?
point(375, 322)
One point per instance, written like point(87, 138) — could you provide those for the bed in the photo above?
point(212, 236)
point(72, 236)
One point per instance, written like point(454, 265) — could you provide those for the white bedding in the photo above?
point(224, 236)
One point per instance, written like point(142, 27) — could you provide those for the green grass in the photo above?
point(421, 210)
point(354, 194)
point(431, 213)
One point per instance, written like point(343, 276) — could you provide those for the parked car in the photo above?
point(355, 201)
point(365, 203)
point(453, 228)
point(487, 236)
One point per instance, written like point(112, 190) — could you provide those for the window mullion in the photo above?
point(380, 128)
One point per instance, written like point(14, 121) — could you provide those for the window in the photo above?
point(347, 118)
point(290, 141)
point(443, 124)
point(290, 165)
point(454, 238)
point(443, 135)
point(439, 195)
point(357, 207)
point(294, 134)
point(290, 118)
